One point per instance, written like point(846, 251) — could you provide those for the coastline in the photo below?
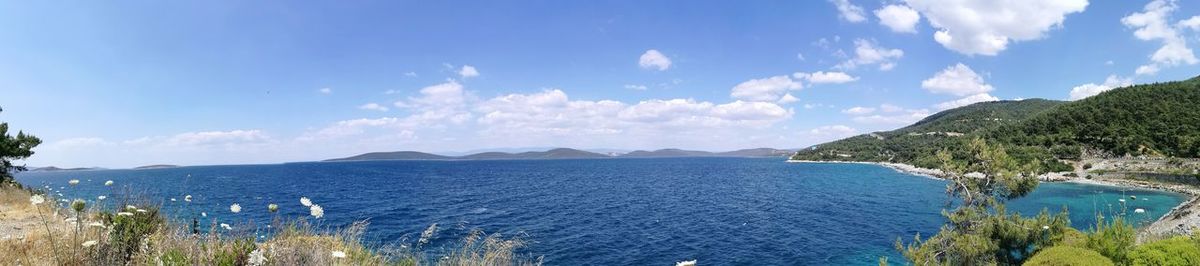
point(1182, 219)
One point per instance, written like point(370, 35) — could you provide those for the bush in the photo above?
point(1068, 255)
point(1112, 240)
point(1172, 251)
point(1072, 238)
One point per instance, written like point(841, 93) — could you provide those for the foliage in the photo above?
point(979, 230)
point(14, 148)
point(1112, 240)
point(1067, 256)
point(1173, 251)
point(1154, 120)
point(130, 229)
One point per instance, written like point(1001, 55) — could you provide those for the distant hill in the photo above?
point(397, 155)
point(667, 153)
point(562, 153)
point(52, 169)
point(559, 153)
point(156, 166)
point(758, 152)
point(1160, 119)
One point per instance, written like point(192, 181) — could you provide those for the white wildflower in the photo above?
point(130, 207)
point(96, 224)
point(108, 183)
point(101, 197)
point(89, 243)
point(338, 254)
point(316, 211)
point(141, 210)
point(124, 214)
point(37, 199)
point(226, 226)
point(235, 208)
point(305, 201)
point(1045, 227)
point(272, 207)
point(256, 258)
point(73, 182)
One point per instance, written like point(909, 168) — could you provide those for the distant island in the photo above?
point(563, 153)
point(54, 169)
point(156, 166)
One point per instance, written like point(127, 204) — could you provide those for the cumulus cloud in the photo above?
point(868, 53)
point(832, 132)
point(859, 110)
point(957, 80)
point(766, 89)
point(898, 18)
point(821, 77)
point(1152, 25)
point(374, 107)
point(787, 99)
point(895, 117)
point(986, 27)
point(441, 102)
point(981, 97)
point(1091, 89)
point(849, 11)
point(468, 71)
point(652, 59)
point(325, 90)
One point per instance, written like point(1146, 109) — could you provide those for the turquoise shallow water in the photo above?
point(720, 211)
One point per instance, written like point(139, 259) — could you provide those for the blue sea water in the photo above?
point(720, 211)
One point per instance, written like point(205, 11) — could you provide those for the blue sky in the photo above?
point(215, 82)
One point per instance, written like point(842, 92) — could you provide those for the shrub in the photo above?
point(1068, 255)
point(1112, 240)
point(1172, 251)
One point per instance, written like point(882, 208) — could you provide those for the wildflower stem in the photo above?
point(49, 234)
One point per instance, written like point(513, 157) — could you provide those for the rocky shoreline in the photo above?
point(1181, 220)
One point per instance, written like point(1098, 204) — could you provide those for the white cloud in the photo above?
point(867, 53)
point(985, 27)
point(1152, 25)
point(373, 106)
point(848, 11)
point(652, 59)
point(635, 87)
point(1146, 70)
point(1191, 23)
point(900, 117)
point(208, 138)
point(468, 72)
point(821, 77)
point(1091, 89)
point(438, 103)
point(325, 90)
point(800, 56)
point(410, 74)
point(859, 110)
point(833, 132)
point(957, 80)
point(765, 89)
point(899, 18)
point(787, 99)
point(981, 97)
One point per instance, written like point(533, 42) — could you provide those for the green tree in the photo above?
point(980, 231)
point(14, 148)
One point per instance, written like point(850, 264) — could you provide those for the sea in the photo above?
point(718, 211)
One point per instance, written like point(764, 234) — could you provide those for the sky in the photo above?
point(130, 83)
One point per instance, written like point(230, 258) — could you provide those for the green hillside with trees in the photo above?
point(1160, 119)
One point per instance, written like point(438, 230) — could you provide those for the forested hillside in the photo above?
point(1161, 119)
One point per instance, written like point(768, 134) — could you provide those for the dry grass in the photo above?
point(41, 235)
